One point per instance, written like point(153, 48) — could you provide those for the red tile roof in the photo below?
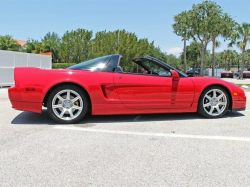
point(47, 53)
point(21, 42)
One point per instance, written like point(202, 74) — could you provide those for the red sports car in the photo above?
point(246, 74)
point(227, 74)
point(100, 86)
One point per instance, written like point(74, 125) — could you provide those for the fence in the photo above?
point(9, 60)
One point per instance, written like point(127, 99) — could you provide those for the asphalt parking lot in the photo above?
point(124, 150)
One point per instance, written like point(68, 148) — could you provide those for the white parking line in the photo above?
point(245, 111)
point(156, 134)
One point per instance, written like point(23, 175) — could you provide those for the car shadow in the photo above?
point(44, 118)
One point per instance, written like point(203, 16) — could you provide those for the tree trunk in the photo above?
point(202, 60)
point(242, 63)
point(225, 64)
point(213, 58)
point(248, 62)
point(238, 65)
point(185, 57)
point(229, 64)
point(202, 63)
point(194, 67)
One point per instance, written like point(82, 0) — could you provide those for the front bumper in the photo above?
point(238, 109)
point(239, 101)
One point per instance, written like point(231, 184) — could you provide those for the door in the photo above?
point(154, 88)
point(143, 91)
point(138, 91)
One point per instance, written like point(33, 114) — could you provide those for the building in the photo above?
point(21, 43)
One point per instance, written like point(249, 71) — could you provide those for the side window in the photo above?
point(142, 67)
point(156, 69)
point(130, 67)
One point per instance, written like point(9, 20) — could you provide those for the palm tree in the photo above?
point(224, 56)
point(216, 44)
point(227, 55)
point(242, 34)
point(51, 42)
point(248, 58)
point(28, 48)
point(235, 58)
point(181, 29)
point(222, 25)
point(239, 57)
point(7, 43)
point(39, 48)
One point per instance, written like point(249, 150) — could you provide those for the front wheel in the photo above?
point(214, 102)
point(67, 104)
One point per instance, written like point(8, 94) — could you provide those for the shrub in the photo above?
point(61, 65)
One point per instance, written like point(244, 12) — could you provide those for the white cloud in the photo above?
point(175, 51)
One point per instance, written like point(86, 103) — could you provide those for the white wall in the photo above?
point(9, 60)
point(217, 72)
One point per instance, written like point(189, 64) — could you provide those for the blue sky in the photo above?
point(150, 19)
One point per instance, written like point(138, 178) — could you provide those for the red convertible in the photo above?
point(227, 74)
point(101, 87)
point(246, 74)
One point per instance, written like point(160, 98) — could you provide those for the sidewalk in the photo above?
point(237, 81)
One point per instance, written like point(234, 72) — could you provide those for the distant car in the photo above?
point(227, 74)
point(191, 72)
point(246, 74)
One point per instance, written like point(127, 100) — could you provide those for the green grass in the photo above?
point(243, 84)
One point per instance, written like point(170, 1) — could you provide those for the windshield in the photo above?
point(96, 64)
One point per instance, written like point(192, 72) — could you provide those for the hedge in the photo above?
point(61, 65)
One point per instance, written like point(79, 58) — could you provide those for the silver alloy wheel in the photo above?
point(67, 104)
point(214, 102)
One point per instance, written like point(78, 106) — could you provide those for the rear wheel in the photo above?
point(67, 104)
point(214, 102)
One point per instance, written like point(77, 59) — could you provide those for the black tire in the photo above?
point(74, 88)
point(201, 109)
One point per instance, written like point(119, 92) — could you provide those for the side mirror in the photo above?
point(175, 75)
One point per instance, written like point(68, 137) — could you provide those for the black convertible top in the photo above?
point(111, 62)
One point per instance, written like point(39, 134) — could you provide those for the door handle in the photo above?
point(120, 77)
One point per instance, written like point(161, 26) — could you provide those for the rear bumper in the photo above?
point(18, 104)
point(14, 94)
point(27, 106)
